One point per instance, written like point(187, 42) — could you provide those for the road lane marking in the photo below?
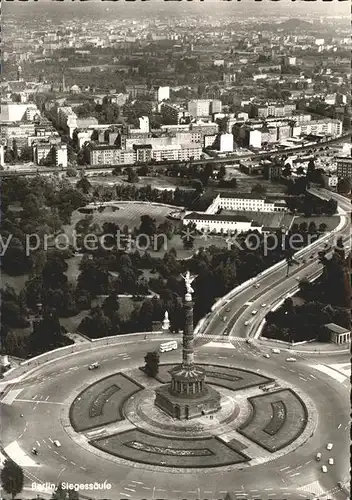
point(72, 463)
point(147, 488)
point(38, 443)
point(137, 482)
point(125, 494)
point(129, 489)
point(39, 402)
point(339, 426)
point(295, 474)
point(51, 441)
point(46, 399)
point(83, 468)
point(284, 468)
point(64, 458)
point(19, 437)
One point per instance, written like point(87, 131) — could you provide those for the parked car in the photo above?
point(318, 457)
point(291, 360)
point(34, 451)
point(324, 468)
point(57, 443)
point(276, 351)
point(329, 446)
point(264, 305)
point(331, 461)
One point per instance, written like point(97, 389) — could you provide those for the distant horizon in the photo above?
point(251, 8)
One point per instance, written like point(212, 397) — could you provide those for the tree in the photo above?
point(132, 176)
point(84, 185)
point(344, 186)
point(198, 186)
point(152, 360)
point(12, 478)
point(258, 189)
point(14, 150)
point(287, 170)
point(222, 172)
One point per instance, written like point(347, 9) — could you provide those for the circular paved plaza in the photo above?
point(260, 419)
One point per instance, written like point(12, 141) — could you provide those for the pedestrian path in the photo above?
point(314, 488)
point(15, 452)
point(333, 371)
point(11, 396)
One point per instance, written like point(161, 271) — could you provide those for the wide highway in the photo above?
point(42, 398)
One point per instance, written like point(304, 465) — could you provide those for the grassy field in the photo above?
point(128, 213)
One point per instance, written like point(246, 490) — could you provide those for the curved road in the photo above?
point(43, 394)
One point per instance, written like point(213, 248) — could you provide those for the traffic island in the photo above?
point(144, 447)
point(277, 419)
point(102, 402)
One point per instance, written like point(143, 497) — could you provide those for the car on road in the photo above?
point(324, 468)
point(298, 278)
point(57, 443)
point(224, 318)
point(228, 309)
point(312, 256)
point(291, 360)
point(256, 285)
point(331, 461)
point(246, 323)
point(266, 355)
point(329, 446)
point(226, 332)
point(94, 366)
point(264, 305)
point(318, 457)
point(276, 351)
point(254, 312)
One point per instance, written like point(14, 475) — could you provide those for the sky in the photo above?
point(264, 8)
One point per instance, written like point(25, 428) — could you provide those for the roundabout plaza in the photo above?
point(221, 419)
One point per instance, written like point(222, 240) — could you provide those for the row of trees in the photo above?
point(311, 205)
point(327, 300)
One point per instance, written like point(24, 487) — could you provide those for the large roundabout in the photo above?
point(275, 416)
point(262, 443)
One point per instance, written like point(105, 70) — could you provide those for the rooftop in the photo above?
point(217, 217)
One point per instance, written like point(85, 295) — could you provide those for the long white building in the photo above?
point(218, 223)
point(246, 203)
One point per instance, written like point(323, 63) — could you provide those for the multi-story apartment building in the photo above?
point(50, 154)
point(16, 112)
point(174, 114)
point(201, 108)
point(326, 126)
point(344, 167)
point(112, 155)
